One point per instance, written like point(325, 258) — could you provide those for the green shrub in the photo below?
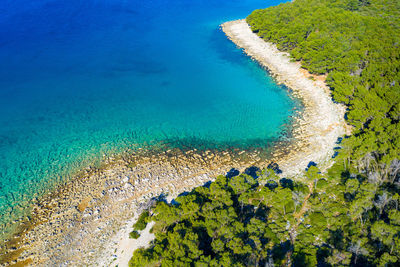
point(142, 221)
point(134, 235)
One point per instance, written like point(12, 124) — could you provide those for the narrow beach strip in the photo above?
point(322, 120)
point(87, 221)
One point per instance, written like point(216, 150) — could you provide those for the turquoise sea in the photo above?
point(84, 78)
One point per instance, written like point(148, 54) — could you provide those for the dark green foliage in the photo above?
point(357, 44)
point(142, 221)
point(348, 216)
point(134, 235)
point(239, 221)
point(236, 221)
point(142, 257)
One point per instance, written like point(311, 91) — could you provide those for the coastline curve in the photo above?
point(321, 122)
point(101, 204)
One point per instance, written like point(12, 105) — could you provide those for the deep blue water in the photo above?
point(81, 78)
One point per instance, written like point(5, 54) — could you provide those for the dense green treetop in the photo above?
point(255, 221)
point(357, 44)
point(349, 215)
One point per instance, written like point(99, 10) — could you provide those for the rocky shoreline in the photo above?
point(81, 223)
point(85, 222)
point(322, 120)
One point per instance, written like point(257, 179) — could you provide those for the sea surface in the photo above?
point(80, 79)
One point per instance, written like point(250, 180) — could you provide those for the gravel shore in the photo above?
point(87, 221)
point(322, 120)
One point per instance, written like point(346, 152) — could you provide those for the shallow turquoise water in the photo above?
point(82, 78)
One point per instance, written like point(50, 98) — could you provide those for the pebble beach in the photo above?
point(87, 221)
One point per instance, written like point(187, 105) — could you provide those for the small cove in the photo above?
point(86, 78)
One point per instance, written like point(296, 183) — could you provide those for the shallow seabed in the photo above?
point(84, 79)
point(79, 224)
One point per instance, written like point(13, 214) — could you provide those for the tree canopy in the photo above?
point(347, 216)
point(357, 44)
point(244, 221)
